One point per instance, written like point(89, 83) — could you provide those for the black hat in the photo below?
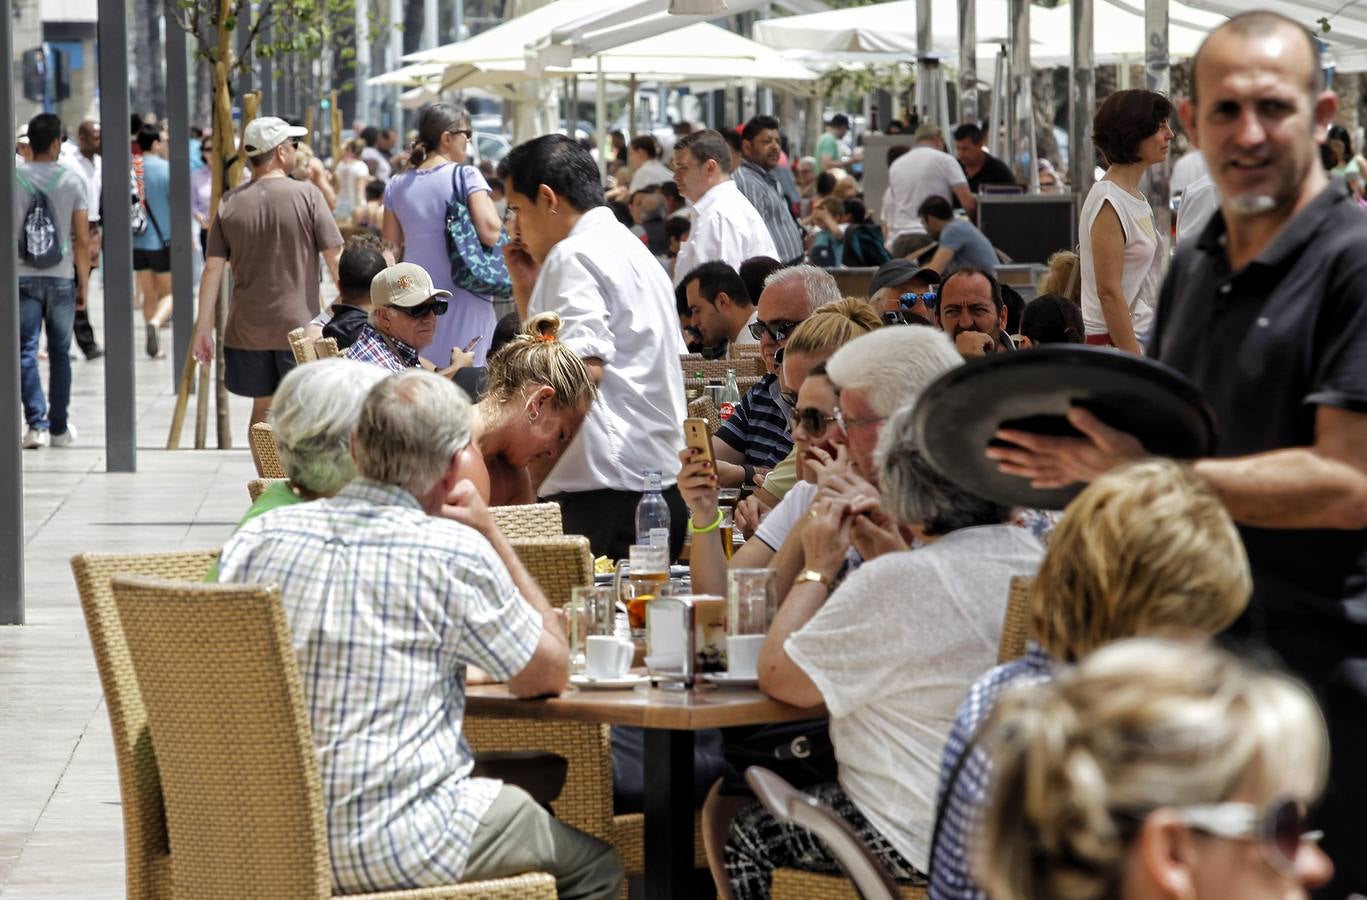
point(900, 271)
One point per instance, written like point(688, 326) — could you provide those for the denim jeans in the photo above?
point(50, 302)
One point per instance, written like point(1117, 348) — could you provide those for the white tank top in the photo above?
point(1145, 254)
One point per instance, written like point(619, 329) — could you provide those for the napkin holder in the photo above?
point(684, 637)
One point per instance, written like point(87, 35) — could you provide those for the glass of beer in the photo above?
point(728, 530)
point(647, 573)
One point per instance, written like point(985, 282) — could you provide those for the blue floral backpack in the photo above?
point(475, 267)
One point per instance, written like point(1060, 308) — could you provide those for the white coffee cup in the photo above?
point(742, 654)
point(607, 656)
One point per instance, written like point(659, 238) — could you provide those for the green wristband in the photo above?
point(713, 527)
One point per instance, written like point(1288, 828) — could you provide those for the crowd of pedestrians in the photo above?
point(1122, 756)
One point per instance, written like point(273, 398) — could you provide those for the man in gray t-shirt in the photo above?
point(961, 244)
point(49, 296)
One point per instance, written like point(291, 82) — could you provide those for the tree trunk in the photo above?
point(144, 58)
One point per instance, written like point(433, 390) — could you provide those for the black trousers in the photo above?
point(608, 519)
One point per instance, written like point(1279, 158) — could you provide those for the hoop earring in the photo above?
point(533, 415)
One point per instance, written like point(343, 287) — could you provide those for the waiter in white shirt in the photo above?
point(726, 227)
point(570, 255)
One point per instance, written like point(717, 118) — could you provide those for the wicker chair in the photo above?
point(147, 850)
point(747, 382)
point(325, 348)
point(301, 347)
point(244, 804)
point(257, 486)
point(703, 408)
point(557, 563)
point(787, 804)
point(264, 452)
point(746, 366)
point(529, 520)
point(1016, 625)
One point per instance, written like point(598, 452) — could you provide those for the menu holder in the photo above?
point(685, 638)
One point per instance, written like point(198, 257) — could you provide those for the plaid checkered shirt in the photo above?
point(372, 347)
point(387, 606)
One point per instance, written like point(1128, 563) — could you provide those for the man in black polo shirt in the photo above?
point(1266, 311)
point(980, 166)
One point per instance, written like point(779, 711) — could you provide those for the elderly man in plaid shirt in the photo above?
point(392, 588)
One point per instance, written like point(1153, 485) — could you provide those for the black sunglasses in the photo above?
point(431, 307)
point(779, 329)
point(465, 131)
point(813, 421)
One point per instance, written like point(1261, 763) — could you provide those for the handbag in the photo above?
point(800, 752)
point(474, 267)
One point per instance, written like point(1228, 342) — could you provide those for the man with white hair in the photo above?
point(755, 438)
point(392, 588)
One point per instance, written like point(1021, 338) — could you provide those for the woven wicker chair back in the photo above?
point(703, 408)
point(529, 520)
point(264, 452)
point(558, 564)
point(147, 860)
point(1016, 625)
point(219, 677)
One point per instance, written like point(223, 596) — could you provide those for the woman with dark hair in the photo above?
point(415, 221)
point(1346, 162)
point(1121, 251)
point(1050, 319)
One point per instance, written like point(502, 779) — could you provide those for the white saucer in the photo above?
point(727, 679)
point(607, 684)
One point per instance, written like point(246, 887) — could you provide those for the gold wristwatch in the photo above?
point(813, 575)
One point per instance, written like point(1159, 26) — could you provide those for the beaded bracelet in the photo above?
point(713, 527)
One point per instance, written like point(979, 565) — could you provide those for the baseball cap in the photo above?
point(266, 133)
point(21, 136)
point(900, 271)
point(403, 284)
point(927, 130)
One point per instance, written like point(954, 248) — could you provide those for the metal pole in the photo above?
point(997, 114)
point(600, 117)
point(968, 61)
point(1082, 103)
point(923, 47)
point(429, 24)
point(362, 110)
point(1023, 96)
point(1157, 76)
point(267, 63)
point(120, 440)
point(11, 457)
point(182, 264)
point(395, 117)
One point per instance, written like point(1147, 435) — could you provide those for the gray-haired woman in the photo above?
point(890, 653)
point(312, 416)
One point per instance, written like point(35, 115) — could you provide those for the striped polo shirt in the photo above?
point(759, 426)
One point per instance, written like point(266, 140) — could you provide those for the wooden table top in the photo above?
point(705, 706)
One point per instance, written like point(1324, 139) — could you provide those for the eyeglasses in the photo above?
point(812, 420)
point(779, 329)
point(1280, 829)
point(846, 424)
point(431, 307)
point(465, 131)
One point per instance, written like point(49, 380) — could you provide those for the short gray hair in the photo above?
point(891, 366)
point(312, 416)
point(818, 285)
point(914, 493)
point(411, 425)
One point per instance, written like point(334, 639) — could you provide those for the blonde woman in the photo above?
point(1155, 770)
point(1147, 550)
point(538, 394)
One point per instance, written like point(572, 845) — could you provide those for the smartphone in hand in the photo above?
point(698, 435)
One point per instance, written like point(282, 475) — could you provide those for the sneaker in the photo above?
point(66, 438)
point(153, 341)
point(35, 438)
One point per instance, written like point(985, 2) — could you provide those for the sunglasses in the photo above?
point(294, 142)
point(465, 131)
point(431, 307)
point(779, 329)
point(908, 300)
point(812, 420)
point(1280, 829)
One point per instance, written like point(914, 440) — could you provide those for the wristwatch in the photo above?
point(749, 477)
point(813, 575)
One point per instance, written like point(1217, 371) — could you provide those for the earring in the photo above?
point(533, 415)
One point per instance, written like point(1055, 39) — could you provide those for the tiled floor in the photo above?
point(60, 817)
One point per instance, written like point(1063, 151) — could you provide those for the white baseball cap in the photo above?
point(266, 133)
point(404, 284)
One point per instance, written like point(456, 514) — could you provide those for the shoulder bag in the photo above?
point(474, 267)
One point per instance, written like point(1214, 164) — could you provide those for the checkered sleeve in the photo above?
point(499, 628)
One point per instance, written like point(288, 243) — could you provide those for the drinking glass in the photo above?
point(751, 600)
point(592, 610)
point(728, 530)
point(642, 577)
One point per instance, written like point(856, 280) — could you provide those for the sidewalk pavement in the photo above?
point(61, 831)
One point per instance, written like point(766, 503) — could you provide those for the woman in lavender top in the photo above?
point(415, 221)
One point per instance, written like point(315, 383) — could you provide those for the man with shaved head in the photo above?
point(1266, 311)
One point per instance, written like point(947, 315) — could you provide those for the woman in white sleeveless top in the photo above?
point(1121, 251)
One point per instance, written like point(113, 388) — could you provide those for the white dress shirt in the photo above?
point(90, 173)
point(652, 171)
point(727, 228)
point(1200, 201)
point(616, 303)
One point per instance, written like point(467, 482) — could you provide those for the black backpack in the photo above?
point(41, 245)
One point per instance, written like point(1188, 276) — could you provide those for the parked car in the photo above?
point(490, 146)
